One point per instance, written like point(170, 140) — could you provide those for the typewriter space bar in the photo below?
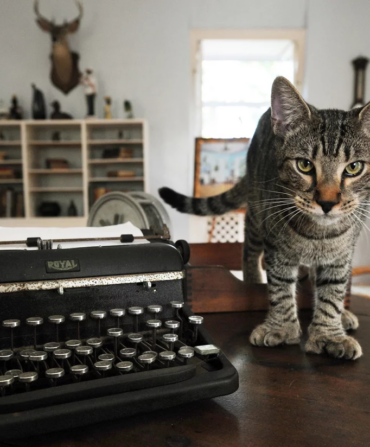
point(95, 388)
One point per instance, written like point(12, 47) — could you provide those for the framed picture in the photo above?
point(219, 164)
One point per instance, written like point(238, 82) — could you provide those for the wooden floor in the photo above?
point(286, 398)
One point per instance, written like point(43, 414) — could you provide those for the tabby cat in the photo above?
point(307, 190)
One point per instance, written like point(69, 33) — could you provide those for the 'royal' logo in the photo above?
point(68, 265)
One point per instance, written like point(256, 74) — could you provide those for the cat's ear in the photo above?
point(364, 117)
point(288, 108)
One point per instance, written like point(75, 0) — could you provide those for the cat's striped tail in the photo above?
point(230, 200)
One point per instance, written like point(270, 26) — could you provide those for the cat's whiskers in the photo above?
point(284, 217)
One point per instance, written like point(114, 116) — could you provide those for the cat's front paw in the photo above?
point(338, 347)
point(349, 320)
point(264, 335)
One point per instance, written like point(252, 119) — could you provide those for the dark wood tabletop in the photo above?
point(286, 398)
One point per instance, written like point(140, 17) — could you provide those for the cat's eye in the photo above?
point(354, 168)
point(305, 166)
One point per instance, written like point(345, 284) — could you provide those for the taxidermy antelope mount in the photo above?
point(65, 74)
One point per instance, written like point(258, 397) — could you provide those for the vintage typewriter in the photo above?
point(97, 333)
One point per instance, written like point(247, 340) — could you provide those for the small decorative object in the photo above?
point(15, 111)
point(38, 104)
point(72, 210)
point(359, 65)
point(120, 134)
point(129, 114)
point(57, 163)
point(65, 74)
point(219, 164)
point(117, 152)
point(49, 209)
point(55, 136)
point(89, 81)
point(121, 174)
point(107, 108)
point(57, 114)
point(4, 112)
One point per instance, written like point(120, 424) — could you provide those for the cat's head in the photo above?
point(323, 156)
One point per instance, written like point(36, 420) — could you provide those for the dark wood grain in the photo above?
point(229, 255)
point(286, 398)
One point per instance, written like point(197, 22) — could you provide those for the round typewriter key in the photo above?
point(57, 320)
point(167, 357)
point(25, 354)
point(147, 359)
point(27, 378)
point(172, 324)
point(135, 337)
point(38, 356)
point(51, 346)
point(78, 317)
point(186, 352)
point(79, 370)
point(171, 339)
point(5, 381)
point(118, 313)
point(98, 315)
point(135, 311)
point(155, 309)
point(6, 354)
point(195, 320)
point(95, 343)
point(115, 332)
point(11, 324)
point(154, 324)
point(84, 350)
point(128, 352)
point(62, 354)
point(124, 367)
point(106, 357)
point(177, 304)
point(73, 344)
point(53, 374)
point(103, 366)
point(14, 372)
point(34, 321)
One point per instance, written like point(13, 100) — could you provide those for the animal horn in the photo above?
point(37, 12)
point(80, 9)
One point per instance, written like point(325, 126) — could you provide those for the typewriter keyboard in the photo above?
point(122, 343)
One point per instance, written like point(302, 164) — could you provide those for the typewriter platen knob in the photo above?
point(118, 313)
point(135, 311)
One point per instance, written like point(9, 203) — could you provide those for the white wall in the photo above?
point(140, 51)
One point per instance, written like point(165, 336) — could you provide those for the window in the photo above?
point(235, 78)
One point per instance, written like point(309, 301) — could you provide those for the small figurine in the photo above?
point(15, 111)
point(129, 114)
point(72, 209)
point(107, 108)
point(38, 104)
point(55, 136)
point(57, 114)
point(88, 80)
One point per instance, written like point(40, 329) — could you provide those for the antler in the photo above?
point(43, 21)
point(80, 9)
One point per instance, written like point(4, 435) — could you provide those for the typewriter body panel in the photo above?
point(63, 282)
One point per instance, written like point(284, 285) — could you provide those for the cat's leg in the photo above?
point(252, 251)
point(281, 325)
point(326, 332)
point(349, 320)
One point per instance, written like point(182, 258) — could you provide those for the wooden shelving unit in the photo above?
point(28, 145)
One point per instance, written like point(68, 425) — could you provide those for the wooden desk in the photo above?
point(286, 398)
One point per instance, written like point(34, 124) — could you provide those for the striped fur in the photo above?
point(298, 219)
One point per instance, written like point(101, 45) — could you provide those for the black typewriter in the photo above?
point(97, 333)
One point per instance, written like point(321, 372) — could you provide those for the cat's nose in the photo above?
point(326, 206)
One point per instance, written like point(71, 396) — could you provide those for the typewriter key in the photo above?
point(98, 315)
point(25, 354)
point(115, 332)
point(95, 343)
point(171, 339)
point(5, 382)
point(53, 374)
point(135, 311)
point(167, 357)
point(14, 372)
point(6, 354)
point(128, 352)
point(57, 320)
point(124, 367)
point(39, 357)
point(186, 353)
point(11, 324)
point(63, 355)
point(106, 357)
point(155, 309)
point(103, 366)
point(34, 321)
point(79, 370)
point(154, 324)
point(172, 324)
point(196, 321)
point(73, 344)
point(27, 378)
point(147, 359)
point(118, 313)
point(78, 317)
point(51, 346)
point(84, 350)
point(177, 305)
